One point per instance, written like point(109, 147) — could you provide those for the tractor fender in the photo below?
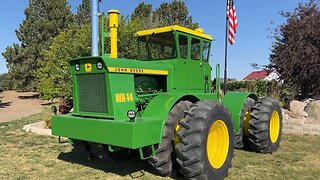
point(234, 101)
point(160, 106)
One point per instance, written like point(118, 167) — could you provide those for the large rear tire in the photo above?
point(265, 125)
point(162, 161)
point(206, 145)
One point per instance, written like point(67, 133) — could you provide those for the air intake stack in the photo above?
point(113, 28)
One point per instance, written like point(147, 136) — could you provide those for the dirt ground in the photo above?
point(16, 105)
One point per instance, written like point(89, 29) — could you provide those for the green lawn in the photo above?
point(30, 156)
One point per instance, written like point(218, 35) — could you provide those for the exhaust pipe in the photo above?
point(113, 28)
point(94, 27)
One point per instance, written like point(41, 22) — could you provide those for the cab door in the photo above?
point(195, 65)
point(181, 68)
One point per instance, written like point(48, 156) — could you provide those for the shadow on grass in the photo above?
point(122, 164)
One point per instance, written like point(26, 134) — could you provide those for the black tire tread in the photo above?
point(162, 161)
point(193, 135)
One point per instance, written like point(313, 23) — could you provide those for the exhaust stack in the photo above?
point(94, 27)
point(113, 28)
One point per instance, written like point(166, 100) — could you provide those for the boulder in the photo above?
point(297, 109)
point(285, 113)
point(313, 109)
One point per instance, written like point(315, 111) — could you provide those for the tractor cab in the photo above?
point(185, 49)
point(173, 42)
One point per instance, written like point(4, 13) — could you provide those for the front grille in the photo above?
point(92, 95)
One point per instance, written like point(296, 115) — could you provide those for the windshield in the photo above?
point(157, 46)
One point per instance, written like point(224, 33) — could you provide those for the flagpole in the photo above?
point(226, 55)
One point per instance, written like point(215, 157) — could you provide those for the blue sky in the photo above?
point(252, 41)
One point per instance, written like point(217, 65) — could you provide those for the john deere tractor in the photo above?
point(161, 105)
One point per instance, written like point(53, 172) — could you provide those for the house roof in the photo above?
point(258, 75)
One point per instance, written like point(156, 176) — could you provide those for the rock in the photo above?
point(285, 113)
point(313, 109)
point(297, 109)
point(285, 116)
point(38, 128)
point(303, 114)
point(295, 122)
point(307, 101)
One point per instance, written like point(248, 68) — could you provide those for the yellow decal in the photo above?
point(137, 71)
point(124, 97)
point(88, 67)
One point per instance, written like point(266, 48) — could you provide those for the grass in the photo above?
point(30, 156)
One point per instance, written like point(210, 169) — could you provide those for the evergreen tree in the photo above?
point(82, 17)
point(142, 11)
point(44, 21)
point(174, 13)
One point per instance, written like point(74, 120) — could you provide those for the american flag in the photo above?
point(233, 21)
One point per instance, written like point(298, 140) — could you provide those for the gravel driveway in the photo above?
point(16, 105)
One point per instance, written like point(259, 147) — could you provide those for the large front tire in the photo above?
point(162, 161)
point(206, 145)
point(81, 149)
point(265, 126)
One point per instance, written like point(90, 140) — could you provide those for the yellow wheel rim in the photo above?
point(246, 124)
point(218, 144)
point(176, 138)
point(274, 126)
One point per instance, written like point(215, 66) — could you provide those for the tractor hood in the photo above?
point(107, 87)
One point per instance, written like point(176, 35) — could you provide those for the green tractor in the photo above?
point(162, 106)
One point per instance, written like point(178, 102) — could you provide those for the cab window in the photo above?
point(157, 46)
point(206, 51)
point(195, 49)
point(183, 46)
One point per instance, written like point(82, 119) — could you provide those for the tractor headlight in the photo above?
point(99, 65)
point(131, 114)
point(77, 66)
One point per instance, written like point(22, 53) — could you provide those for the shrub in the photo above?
point(285, 93)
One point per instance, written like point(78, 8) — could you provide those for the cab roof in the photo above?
point(198, 32)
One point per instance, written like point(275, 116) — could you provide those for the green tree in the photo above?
point(53, 74)
point(44, 20)
point(5, 82)
point(174, 13)
point(296, 50)
point(82, 17)
point(14, 56)
point(142, 11)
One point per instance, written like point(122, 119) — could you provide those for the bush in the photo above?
point(260, 87)
point(284, 93)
